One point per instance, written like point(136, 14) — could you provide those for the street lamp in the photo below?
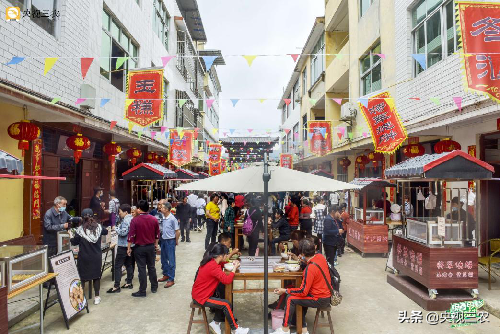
point(266, 177)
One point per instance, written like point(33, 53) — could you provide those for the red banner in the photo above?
point(320, 137)
point(144, 104)
point(480, 31)
point(286, 160)
point(181, 150)
point(472, 152)
point(214, 152)
point(214, 168)
point(386, 128)
point(36, 185)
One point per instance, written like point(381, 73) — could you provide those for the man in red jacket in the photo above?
point(314, 290)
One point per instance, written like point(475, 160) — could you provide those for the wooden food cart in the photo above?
point(438, 249)
point(368, 231)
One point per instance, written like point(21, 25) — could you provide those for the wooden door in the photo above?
point(50, 188)
point(86, 183)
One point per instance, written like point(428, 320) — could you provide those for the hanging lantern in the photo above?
point(78, 144)
point(161, 160)
point(446, 145)
point(133, 154)
point(112, 149)
point(375, 158)
point(414, 150)
point(25, 132)
point(362, 160)
point(345, 162)
point(151, 157)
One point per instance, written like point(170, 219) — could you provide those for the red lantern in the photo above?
point(112, 149)
point(25, 132)
point(414, 150)
point(446, 145)
point(375, 158)
point(78, 144)
point(151, 157)
point(362, 160)
point(161, 160)
point(345, 162)
point(133, 154)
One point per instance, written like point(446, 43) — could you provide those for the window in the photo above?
point(161, 22)
point(304, 127)
point(363, 6)
point(288, 106)
point(283, 114)
point(304, 81)
point(42, 12)
point(318, 60)
point(434, 31)
point(295, 138)
point(295, 93)
point(288, 142)
point(284, 144)
point(341, 172)
point(371, 71)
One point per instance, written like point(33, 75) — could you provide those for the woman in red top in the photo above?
point(209, 275)
point(293, 216)
point(305, 218)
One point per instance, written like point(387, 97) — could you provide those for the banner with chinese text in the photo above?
point(388, 133)
point(36, 184)
point(223, 165)
point(479, 25)
point(320, 137)
point(181, 150)
point(214, 168)
point(214, 152)
point(144, 101)
point(286, 160)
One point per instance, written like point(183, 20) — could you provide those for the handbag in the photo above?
point(248, 226)
point(336, 297)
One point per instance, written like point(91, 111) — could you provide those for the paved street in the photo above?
point(370, 305)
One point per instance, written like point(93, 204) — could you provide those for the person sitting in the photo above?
point(314, 290)
point(226, 240)
point(459, 214)
point(280, 223)
point(380, 204)
point(209, 275)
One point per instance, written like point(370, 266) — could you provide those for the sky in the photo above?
point(256, 27)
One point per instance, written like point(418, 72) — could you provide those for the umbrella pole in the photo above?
point(266, 177)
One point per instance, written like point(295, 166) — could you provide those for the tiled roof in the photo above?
point(371, 182)
point(10, 162)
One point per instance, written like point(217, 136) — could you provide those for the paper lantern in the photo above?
point(414, 150)
point(345, 162)
point(161, 160)
point(375, 158)
point(151, 157)
point(133, 154)
point(112, 149)
point(25, 132)
point(362, 160)
point(446, 145)
point(78, 144)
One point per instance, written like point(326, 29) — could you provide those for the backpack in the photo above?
point(248, 226)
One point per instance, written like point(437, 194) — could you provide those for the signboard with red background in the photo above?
point(181, 150)
point(286, 160)
point(36, 184)
point(214, 168)
point(144, 104)
point(214, 152)
point(320, 137)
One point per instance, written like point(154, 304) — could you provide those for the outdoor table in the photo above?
point(284, 276)
point(38, 283)
point(238, 232)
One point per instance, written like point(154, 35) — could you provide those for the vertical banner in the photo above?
point(392, 162)
point(320, 137)
point(388, 133)
point(36, 185)
point(472, 152)
point(214, 152)
point(214, 168)
point(223, 165)
point(112, 175)
point(181, 150)
point(479, 24)
point(286, 160)
point(144, 100)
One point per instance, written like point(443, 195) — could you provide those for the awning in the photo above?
point(371, 182)
point(456, 165)
point(324, 173)
point(147, 171)
point(186, 175)
point(10, 163)
point(202, 175)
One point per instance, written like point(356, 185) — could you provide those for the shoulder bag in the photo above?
point(336, 297)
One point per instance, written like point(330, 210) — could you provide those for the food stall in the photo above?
point(368, 231)
point(438, 248)
point(323, 173)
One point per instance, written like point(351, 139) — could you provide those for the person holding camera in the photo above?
point(56, 219)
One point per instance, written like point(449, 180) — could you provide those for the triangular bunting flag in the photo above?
point(49, 62)
point(103, 102)
point(287, 131)
point(166, 59)
point(209, 60)
point(112, 125)
point(262, 100)
point(365, 134)
point(231, 131)
point(294, 57)
point(130, 126)
point(215, 130)
point(120, 61)
point(250, 130)
point(339, 134)
point(181, 102)
point(79, 100)
point(338, 101)
point(415, 98)
point(234, 101)
point(84, 65)
point(310, 135)
point(15, 60)
point(287, 101)
point(244, 143)
point(139, 134)
point(435, 100)
point(249, 59)
point(209, 103)
point(351, 135)
point(458, 102)
point(55, 100)
point(153, 134)
point(313, 101)
point(342, 130)
point(420, 58)
point(364, 102)
point(163, 129)
point(381, 55)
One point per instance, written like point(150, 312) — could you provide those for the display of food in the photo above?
point(279, 268)
point(18, 278)
point(294, 267)
point(76, 296)
point(292, 262)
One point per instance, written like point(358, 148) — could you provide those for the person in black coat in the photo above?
point(184, 214)
point(281, 224)
point(256, 215)
point(88, 239)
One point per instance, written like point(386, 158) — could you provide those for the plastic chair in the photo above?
point(486, 261)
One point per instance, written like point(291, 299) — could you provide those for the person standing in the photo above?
point(170, 236)
point(96, 202)
point(192, 199)
point(122, 258)
point(332, 234)
point(200, 212)
point(319, 212)
point(88, 239)
point(305, 217)
point(293, 216)
point(255, 215)
point(229, 217)
point(212, 212)
point(55, 219)
point(113, 207)
point(144, 233)
point(334, 198)
point(183, 214)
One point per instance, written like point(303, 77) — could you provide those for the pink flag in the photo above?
point(339, 101)
point(381, 55)
point(342, 130)
point(85, 64)
point(163, 129)
point(294, 57)
point(365, 134)
point(153, 134)
point(287, 101)
point(209, 103)
point(458, 102)
point(166, 59)
point(250, 130)
point(79, 100)
point(112, 125)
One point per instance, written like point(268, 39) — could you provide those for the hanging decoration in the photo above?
point(151, 157)
point(388, 133)
point(161, 160)
point(78, 144)
point(480, 32)
point(362, 161)
point(345, 163)
point(181, 150)
point(375, 158)
point(133, 154)
point(36, 184)
point(214, 168)
point(112, 149)
point(214, 152)
point(25, 132)
point(286, 160)
point(446, 145)
point(223, 165)
point(413, 150)
point(320, 137)
point(144, 104)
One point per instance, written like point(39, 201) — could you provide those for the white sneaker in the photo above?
point(215, 327)
point(97, 300)
point(280, 331)
point(241, 330)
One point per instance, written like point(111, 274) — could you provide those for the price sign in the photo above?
point(441, 227)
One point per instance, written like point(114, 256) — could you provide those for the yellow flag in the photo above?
point(249, 59)
point(181, 134)
point(130, 126)
point(49, 62)
point(262, 100)
point(214, 130)
point(128, 102)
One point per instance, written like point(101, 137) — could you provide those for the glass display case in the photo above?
point(63, 243)
point(2, 274)
point(23, 264)
point(426, 231)
point(373, 216)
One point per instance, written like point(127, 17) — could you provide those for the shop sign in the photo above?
point(388, 133)
point(480, 30)
point(320, 137)
point(455, 269)
point(36, 184)
point(181, 150)
point(286, 160)
point(223, 165)
point(409, 258)
point(214, 152)
point(144, 101)
point(214, 168)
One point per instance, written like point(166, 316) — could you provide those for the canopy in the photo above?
point(371, 182)
point(282, 179)
point(147, 171)
point(10, 163)
point(184, 174)
point(324, 173)
point(202, 175)
point(455, 165)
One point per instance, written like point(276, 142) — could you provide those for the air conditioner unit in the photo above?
point(348, 112)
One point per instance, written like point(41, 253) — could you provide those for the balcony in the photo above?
point(337, 73)
point(337, 15)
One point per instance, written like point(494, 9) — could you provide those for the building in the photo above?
point(142, 31)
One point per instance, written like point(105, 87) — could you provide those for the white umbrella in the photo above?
point(249, 180)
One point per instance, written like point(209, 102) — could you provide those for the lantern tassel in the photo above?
point(77, 155)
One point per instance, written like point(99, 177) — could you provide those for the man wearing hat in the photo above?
point(95, 202)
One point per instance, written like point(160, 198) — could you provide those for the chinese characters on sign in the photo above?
point(386, 128)
point(460, 314)
point(181, 150)
point(223, 165)
point(144, 104)
point(409, 258)
point(36, 185)
point(455, 269)
point(44, 13)
point(214, 152)
point(480, 30)
point(320, 137)
point(214, 168)
point(286, 160)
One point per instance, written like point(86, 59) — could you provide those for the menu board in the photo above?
point(68, 284)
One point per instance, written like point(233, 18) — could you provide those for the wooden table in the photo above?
point(39, 282)
point(238, 232)
point(286, 276)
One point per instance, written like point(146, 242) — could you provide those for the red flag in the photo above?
point(214, 152)
point(112, 125)
point(286, 160)
point(85, 64)
point(294, 57)
point(320, 134)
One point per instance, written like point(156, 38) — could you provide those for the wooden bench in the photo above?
point(201, 309)
point(324, 324)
